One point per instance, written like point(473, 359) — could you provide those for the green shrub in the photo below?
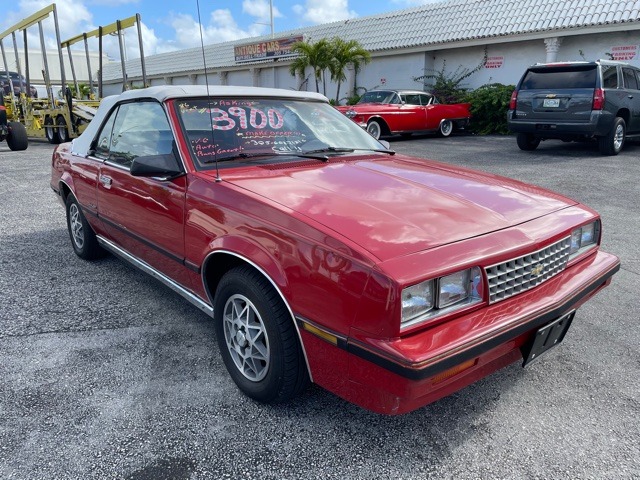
point(352, 100)
point(489, 105)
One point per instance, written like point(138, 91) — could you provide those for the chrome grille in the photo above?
point(510, 278)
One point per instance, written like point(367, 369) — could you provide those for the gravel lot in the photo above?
point(104, 373)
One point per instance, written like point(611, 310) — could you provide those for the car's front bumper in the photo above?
point(394, 376)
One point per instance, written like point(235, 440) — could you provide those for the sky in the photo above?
point(169, 25)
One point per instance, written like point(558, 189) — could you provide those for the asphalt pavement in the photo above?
point(106, 374)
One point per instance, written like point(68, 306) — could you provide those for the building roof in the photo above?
point(433, 24)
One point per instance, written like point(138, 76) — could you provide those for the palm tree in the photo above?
point(315, 55)
point(344, 54)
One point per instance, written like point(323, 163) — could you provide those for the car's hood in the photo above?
point(399, 205)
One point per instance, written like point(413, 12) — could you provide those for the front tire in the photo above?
point(527, 141)
point(17, 137)
point(257, 338)
point(446, 128)
point(83, 238)
point(374, 129)
point(612, 143)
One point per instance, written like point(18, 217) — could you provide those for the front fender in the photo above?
point(250, 252)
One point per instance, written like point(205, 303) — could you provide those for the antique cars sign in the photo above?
point(321, 255)
point(272, 48)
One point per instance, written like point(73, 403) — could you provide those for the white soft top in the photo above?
point(81, 145)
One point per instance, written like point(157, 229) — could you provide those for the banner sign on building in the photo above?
point(273, 48)
point(494, 62)
point(624, 52)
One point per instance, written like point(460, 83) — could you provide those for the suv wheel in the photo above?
point(527, 141)
point(612, 143)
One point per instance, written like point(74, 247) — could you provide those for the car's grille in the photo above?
point(520, 274)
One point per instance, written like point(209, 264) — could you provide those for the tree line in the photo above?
point(328, 57)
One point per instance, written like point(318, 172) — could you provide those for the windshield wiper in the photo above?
point(228, 158)
point(329, 150)
point(316, 154)
point(350, 150)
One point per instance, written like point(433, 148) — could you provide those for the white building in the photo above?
point(405, 44)
point(36, 65)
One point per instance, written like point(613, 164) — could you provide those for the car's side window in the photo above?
point(609, 76)
point(101, 149)
point(140, 129)
point(425, 99)
point(630, 80)
point(394, 99)
point(412, 99)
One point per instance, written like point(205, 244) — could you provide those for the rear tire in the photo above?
point(17, 137)
point(50, 132)
point(63, 132)
point(446, 128)
point(257, 338)
point(612, 143)
point(527, 141)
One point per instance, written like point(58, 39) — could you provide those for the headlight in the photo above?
point(351, 113)
point(436, 297)
point(584, 238)
point(417, 300)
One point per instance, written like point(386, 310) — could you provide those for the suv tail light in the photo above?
point(598, 99)
point(513, 103)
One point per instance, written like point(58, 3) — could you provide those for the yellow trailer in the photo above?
point(58, 118)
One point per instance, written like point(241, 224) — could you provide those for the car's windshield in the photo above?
point(380, 96)
point(224, 129)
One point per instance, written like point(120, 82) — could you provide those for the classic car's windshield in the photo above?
point(380, 96)
point(225, 129)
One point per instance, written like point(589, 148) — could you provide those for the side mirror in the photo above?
point(165, 166)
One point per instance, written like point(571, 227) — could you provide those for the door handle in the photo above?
point(105, 181)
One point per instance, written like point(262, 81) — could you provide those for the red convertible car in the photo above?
point(321, 255)
point(389, 112)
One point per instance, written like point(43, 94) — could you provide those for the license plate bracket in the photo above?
point(551, 102)
point(547, 337)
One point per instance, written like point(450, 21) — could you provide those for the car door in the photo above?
point(142, 215)
point(632, 91)
point(432, 111)
point(412, 115)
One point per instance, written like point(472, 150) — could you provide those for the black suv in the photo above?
point(577, 100)
point(19, 84)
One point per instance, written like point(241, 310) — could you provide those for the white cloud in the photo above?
point(73, 17)
point(260, 9)
point(220, 28)
point(324, 11)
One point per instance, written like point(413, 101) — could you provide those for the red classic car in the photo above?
point(388, 112)
point(320, 254)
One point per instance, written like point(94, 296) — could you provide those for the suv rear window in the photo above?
point(555, 78)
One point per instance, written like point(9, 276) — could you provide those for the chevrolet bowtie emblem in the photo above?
point(537, 269)
point(552, 95)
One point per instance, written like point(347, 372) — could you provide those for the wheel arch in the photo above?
point(64, 188)
point(383, 124)
point(221, 260)
point(625, 114)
